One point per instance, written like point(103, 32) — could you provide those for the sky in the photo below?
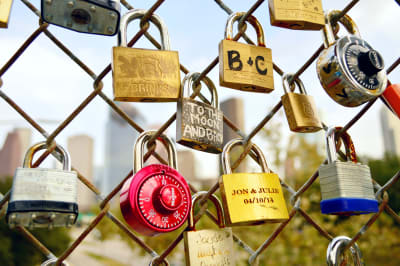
point(48, 85)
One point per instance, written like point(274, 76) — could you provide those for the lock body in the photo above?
point(245, 67)
point(301, 112)
point(209, 247)
point(297, 14)
point(5, 9)
point(252, 198)
point(346, 189)
point(43, 197)
point(199, 126)
point(392, 97)
point(88, 16)
point(141, 75)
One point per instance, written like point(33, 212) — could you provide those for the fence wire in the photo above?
point(104, 204)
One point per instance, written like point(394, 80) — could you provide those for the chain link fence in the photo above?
point(160, 257)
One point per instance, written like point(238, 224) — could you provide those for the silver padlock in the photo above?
point(334, 253)
point(42, 197)
point(346, 187)
point(87, 16)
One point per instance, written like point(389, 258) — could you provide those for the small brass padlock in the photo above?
point(243, 66)
point(42, 197)
point(349, 69)
point(297, 14)
point(300, 109)
point(5, 9)
point(210, 246)
point(141, 75)
point(251, 198)
point(346, 187)
point(199, 125)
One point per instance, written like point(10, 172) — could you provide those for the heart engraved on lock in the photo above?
point(243, 66)
point(157, 198)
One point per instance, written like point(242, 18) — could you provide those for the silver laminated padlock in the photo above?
point(87, 16)
point(334, 253)
point(42, 197)
point(346, 187)
point(199, 125)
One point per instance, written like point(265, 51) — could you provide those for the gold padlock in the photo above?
point(141, 75)
point(251, 198)
point(5, 9)
point(199, 125)
point(297, 14)
point(243, 66)
point(210, 246)
point(300, 109)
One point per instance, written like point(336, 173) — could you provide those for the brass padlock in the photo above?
point(5, 9)
point(349, 69)
point(297, 14)
point(300, 109)
point(199, 125)
point(243, 66)
point(210, 246)
point(141, 75)
point(251, 198)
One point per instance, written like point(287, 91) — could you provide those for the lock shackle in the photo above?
point(287, 79)
point(220, 214)
point(251, 19)
point(346, 21)
point(136, 14)
point(226, 161)
point(51, 262)
point(188, 85)
point(139, 148)
point(331, 146)
point(336, 248)
point(41, 146)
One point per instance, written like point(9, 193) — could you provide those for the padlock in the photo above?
point(156, 199)
point(243, 66)
point(346, 187)
point(5, 9)
point(199, 125)
point(145, 75)
point(391, 96)
point(297, 14)
point(300, 109)
point(87, 16)
point(251, 198)
point(350, 71)
point(208, 246)
point(334, 253)
point(42, 197)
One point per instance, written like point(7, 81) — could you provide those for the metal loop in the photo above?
point(139, 149)
point(346, 21)
point(287, 79)
point(52, 262)
point(331, 148)
point(188, 85)
point(153, 260)
point(41, 146)
point(199, 196)
point(139, 13)
point(226, 162)
point(252, 20)
point(336, 248)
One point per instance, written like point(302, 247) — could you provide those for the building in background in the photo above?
point(233, 109)
point(80, 148)
point(120, 138)
point(391, 131)
point(13, 151)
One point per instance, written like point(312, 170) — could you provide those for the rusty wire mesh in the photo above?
point(97, 92)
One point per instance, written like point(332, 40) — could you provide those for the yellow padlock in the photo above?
point(5, 9)
point(243, 66)
point(141, 75)
point(251, 198)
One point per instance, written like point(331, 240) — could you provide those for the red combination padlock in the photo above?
point(157, 198)
point(392, 97)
